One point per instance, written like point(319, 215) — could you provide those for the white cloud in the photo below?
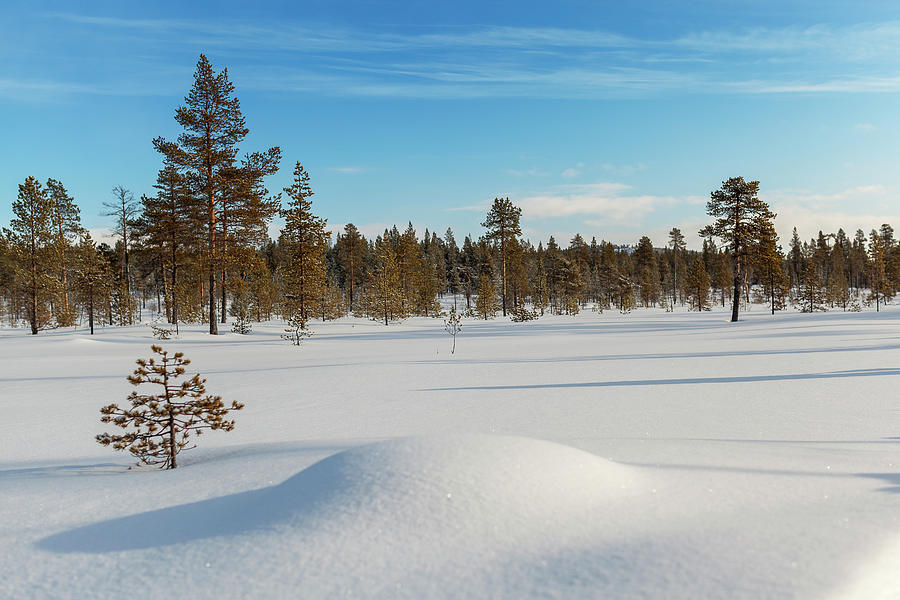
point(863, 207)
point(603, 199)
point(103, 235)
point(570, 173)
point(864, 127)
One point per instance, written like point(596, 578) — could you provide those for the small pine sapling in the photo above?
point(158, 426)
point(520, 314)
point(453, 325)
point(241, 309)
point(160, 331)
point(296, 330)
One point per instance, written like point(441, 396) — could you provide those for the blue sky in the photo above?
point(602, 118)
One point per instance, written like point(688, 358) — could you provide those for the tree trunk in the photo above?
point(211, 265)
point(736, 298)
point(503, 256)
point(91, 307)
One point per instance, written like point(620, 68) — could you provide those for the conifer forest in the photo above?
point(196, 249)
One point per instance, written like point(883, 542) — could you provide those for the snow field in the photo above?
point(685, 457)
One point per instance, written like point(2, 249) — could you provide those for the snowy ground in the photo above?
point(657, 455)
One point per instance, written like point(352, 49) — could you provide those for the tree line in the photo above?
point(197, 249)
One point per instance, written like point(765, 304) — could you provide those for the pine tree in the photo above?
point(768, 260)
point(162, 423)
point(812, 295)
point(409, 266)
point(351, 252)
point(879, 284)
point(740, 217)
point(697, 285)
point(837, 291)
point(206, 150)
point(171, 224)
point(125, 210)
point(795, 257)
point(453, 325)
point(502, 224)
point(385, 288)
point(676, 243)
point(647, 271)
point(246, 209)
point(241, 309)
point(304, 239)
point(65, 222)
point(92, 278)
point(31, 232)
point(486, 304)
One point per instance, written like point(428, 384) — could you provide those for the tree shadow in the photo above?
point(64, 471)
point(661, 355)
point(892, 478)
point(686, 381)
point(223, 516)
point(296, 500)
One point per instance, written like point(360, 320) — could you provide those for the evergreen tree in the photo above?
point(385, 292)
point(880, 287)
point(170, 224)
point(812, 296)
point(502, 224)
point(213, 127)
point(65, 222)
point(740, 217)
point(676, 243)
point(768, 260)
point(31, 232)
point(486, 303)
point(125, 210)
point(647, 271)
point(697, 285)
point(351, 254)
point(162, 423)
point(246, 209)
point(304, 239)
point(92, 278)
point(409, 267)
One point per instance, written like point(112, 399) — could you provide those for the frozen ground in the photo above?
point(651, 455)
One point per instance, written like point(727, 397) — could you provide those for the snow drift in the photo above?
point(413, 511)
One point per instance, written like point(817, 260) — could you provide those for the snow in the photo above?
point(657, 455)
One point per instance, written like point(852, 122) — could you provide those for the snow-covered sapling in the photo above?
point(453, 325)
point(158, 425)
point(160, 331)
point(296, 330)
point(240, 309)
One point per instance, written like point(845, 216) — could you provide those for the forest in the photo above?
point(196, 250)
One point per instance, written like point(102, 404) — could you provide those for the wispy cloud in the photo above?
point(540, 62)
point(348, 170)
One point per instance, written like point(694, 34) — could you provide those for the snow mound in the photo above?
point(451, 481)
point(415, 517)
